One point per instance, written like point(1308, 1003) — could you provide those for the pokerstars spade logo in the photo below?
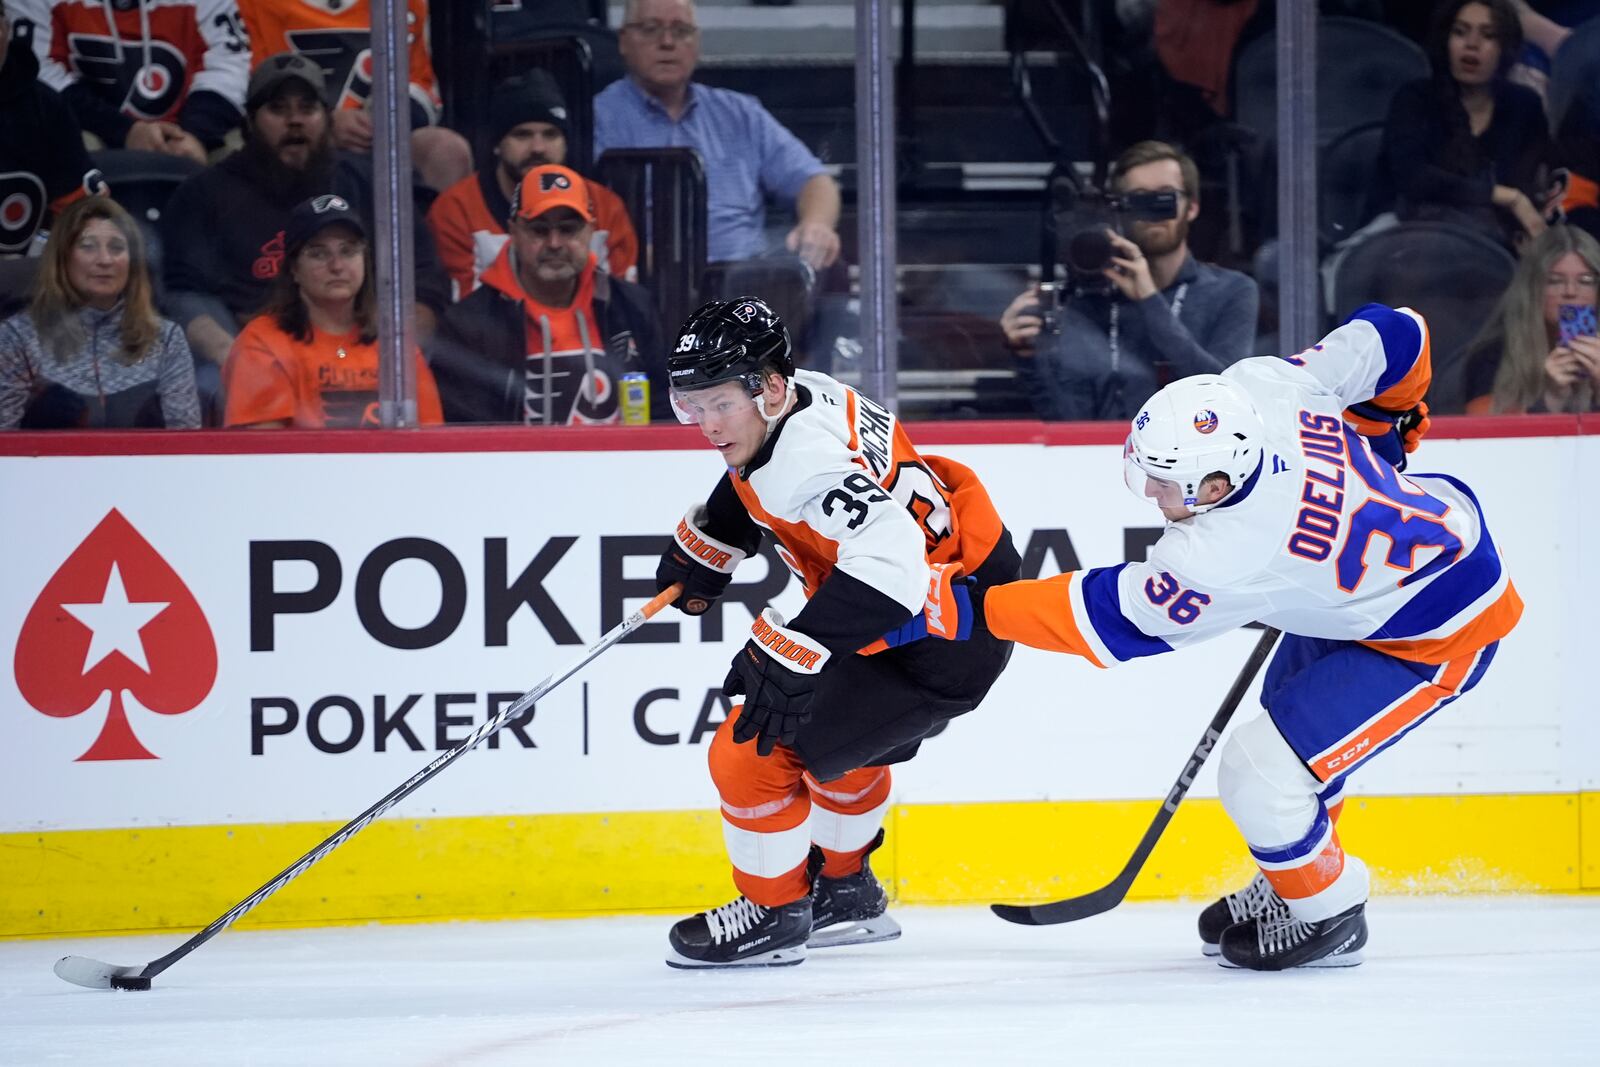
point(115, 617)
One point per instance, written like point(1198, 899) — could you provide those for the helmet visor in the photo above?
point(711, 403)
point(1146, 486)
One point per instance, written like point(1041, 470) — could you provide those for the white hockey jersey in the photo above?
point(843, 491)
point(1324, 540)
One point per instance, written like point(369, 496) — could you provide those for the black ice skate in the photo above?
point(742, 934)
point(850, 910)
point(1258, 900)
point(1278, 944)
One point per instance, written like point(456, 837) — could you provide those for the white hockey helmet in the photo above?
point(1192, 428)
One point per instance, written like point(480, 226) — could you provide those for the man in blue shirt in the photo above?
point(746, 152)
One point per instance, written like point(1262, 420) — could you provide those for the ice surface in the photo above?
point(1450, 980)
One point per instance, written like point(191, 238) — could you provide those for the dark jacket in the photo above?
point(1433, 168)
point(1076, 374)
point(222, 232)
point(480, 357)
point(41, 151)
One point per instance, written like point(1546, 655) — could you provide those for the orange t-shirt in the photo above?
point(338, 35)
point(329, 381)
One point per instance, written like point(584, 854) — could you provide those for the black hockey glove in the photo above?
point(777, 670)
point(701, 562)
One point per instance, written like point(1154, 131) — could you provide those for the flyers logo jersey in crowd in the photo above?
point(329, 381)
point(845, 458)
point(148, 57)
point(337, 34)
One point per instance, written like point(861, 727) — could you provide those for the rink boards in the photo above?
point(289, 634)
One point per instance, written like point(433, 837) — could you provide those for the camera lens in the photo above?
point(1089, 251)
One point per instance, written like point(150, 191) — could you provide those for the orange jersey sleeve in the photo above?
point(1038, 613)
point(622, 243)
point(453, 218)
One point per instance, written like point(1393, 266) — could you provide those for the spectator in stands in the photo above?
point(166, 77)
point(1467, 145)
point(547, 337)
point(528, 123)
point(91, 352)
point(338, 35)
point(1520, 363)
point(310, 360)
point(223, 232)
point(748, 155)
point(1155, 314)
point(46, 166)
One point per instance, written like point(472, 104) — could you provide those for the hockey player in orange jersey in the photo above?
point(885, 541)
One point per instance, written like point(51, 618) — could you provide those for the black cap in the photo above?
point(315, 215)
point(274, 71)
point(532, 96)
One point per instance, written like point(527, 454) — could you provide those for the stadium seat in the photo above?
point(143, 182)
point(1359, 66)
point(1453, 275)
point(16, 283)
point(664, 190)
point(1344, 182)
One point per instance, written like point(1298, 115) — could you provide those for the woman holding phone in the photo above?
point(1539, 351)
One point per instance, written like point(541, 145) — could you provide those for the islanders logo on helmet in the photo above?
point(1205, 420)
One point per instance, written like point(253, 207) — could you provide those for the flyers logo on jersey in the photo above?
point(1205, 421)
point(551, 180)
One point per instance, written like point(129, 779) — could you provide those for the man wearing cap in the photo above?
point(528, 121)
point(223, 230)
point(547, 336)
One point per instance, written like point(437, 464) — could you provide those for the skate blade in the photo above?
point(864, 932)
point(783, 957)
point(1209, 949)
point(1346, 959)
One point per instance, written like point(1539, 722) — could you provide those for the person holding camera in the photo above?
point(1138, 314)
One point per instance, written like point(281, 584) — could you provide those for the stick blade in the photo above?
point(93, 974)
point(1063, 911)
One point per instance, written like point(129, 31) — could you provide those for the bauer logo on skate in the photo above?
point(115, 617)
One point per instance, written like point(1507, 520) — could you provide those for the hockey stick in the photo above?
point(81, 970)
point(1109, 896)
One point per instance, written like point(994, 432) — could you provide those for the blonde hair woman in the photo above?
point(1520, 362)
point(91, 352)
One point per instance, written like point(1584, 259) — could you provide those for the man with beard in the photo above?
point(548, 336)
point(528, 123)
point(1154, 315)
point(223, 229)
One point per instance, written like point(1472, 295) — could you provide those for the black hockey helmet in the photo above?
point(729, 340)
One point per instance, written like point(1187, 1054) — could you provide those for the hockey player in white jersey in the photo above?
point(885, 542)
point(1391, 595)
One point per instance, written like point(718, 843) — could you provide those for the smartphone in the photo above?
point(1575, 320)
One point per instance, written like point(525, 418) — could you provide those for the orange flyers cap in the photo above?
point(551, 186)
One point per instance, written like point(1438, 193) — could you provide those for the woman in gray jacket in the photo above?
point(91, 352)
